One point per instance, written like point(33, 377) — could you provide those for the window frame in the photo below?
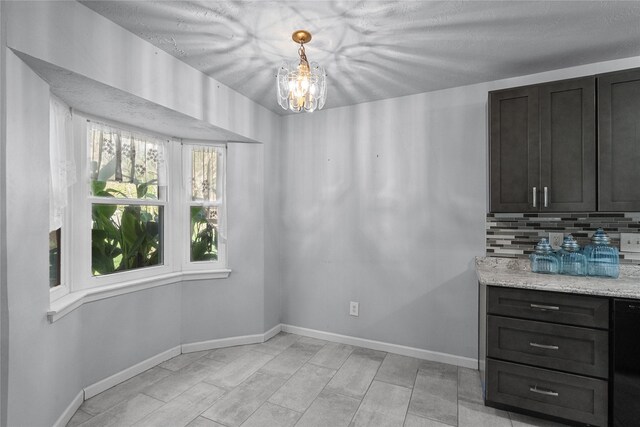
point(194, 267)
point(84, 278)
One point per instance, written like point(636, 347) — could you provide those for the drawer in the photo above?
point(566, 348)
point(567, 396)
point(570, 309)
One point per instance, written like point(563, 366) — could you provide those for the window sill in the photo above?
point(66, 304)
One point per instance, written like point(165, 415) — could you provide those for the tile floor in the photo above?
point(297, 381)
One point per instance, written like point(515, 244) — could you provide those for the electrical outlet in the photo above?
point(629, 242)
point(354, 308)
point(555, 239)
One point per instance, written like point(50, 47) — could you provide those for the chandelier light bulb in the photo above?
point(301, 85)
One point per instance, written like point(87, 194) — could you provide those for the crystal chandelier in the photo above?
point(302, 86)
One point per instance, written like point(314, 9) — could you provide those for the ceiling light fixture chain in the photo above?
point(303, 55)
point(301, 85)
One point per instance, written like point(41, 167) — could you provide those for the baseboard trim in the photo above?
point(71, 409)
point(231, 341)
point(272, 332)
point(465, 362)
point(130, 372)
point(222, 342)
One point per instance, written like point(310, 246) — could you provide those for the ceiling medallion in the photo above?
point(301, 86)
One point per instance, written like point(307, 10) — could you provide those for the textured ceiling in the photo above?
point(381, 49)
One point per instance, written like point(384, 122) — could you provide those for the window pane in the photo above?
point(124, 164)
point(204, 168)
point(54, 258)
point(125, 237)
point(204, 233)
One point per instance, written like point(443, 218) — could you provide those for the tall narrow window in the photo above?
point(206, 198)
point(128, 198)
point(61, 177)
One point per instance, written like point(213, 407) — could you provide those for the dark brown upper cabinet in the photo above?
point(619, 141)
point(543, 148)
point(514, 150)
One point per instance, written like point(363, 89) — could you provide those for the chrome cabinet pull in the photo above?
point(546, 197)
point(535, 197)
point(545, 346)
point(544, 391)
point(544, 307)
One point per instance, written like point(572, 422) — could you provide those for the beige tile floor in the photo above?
point(297, 381)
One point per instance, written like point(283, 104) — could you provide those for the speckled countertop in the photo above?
point(516, 273)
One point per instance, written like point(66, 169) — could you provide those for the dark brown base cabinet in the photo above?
point(545, 354)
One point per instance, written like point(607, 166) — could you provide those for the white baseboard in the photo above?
point(465, 362)
point(222, 342)
point(130, 372)
point(231, 341)
point(272, 332)
point(71, 409)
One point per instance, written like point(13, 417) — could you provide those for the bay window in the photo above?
point(147, 210)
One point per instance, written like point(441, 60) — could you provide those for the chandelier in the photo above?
point(302, 86)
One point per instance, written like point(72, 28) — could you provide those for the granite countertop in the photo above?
point(516, 273)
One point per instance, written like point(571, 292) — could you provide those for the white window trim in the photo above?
point(79, 286)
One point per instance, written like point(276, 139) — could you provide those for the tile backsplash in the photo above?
point(514, 235)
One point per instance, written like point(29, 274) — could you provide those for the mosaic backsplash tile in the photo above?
point(514, 235)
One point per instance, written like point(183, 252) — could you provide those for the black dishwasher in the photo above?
point(626, 363)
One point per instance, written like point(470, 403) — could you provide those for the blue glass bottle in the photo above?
point(572, 260)
point(602, 258)
point(543, 260)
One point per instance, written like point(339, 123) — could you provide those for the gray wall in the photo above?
point(272, 209)
point(119, 332)
point(383, 203)
point(4, 315)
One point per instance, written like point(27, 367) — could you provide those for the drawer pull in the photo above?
point(545, 346)
point(544, 307)
point(546, 392)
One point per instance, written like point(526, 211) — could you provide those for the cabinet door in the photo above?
point(568, 146)
point(515, 150)
point(619, 141)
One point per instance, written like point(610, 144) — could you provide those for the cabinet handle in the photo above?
point(546, 197)
point(544, 391)
point(535, 197)
point(544, 307)
point(545, 346)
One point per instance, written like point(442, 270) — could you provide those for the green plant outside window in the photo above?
point(125, 237)
point(204, 233)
